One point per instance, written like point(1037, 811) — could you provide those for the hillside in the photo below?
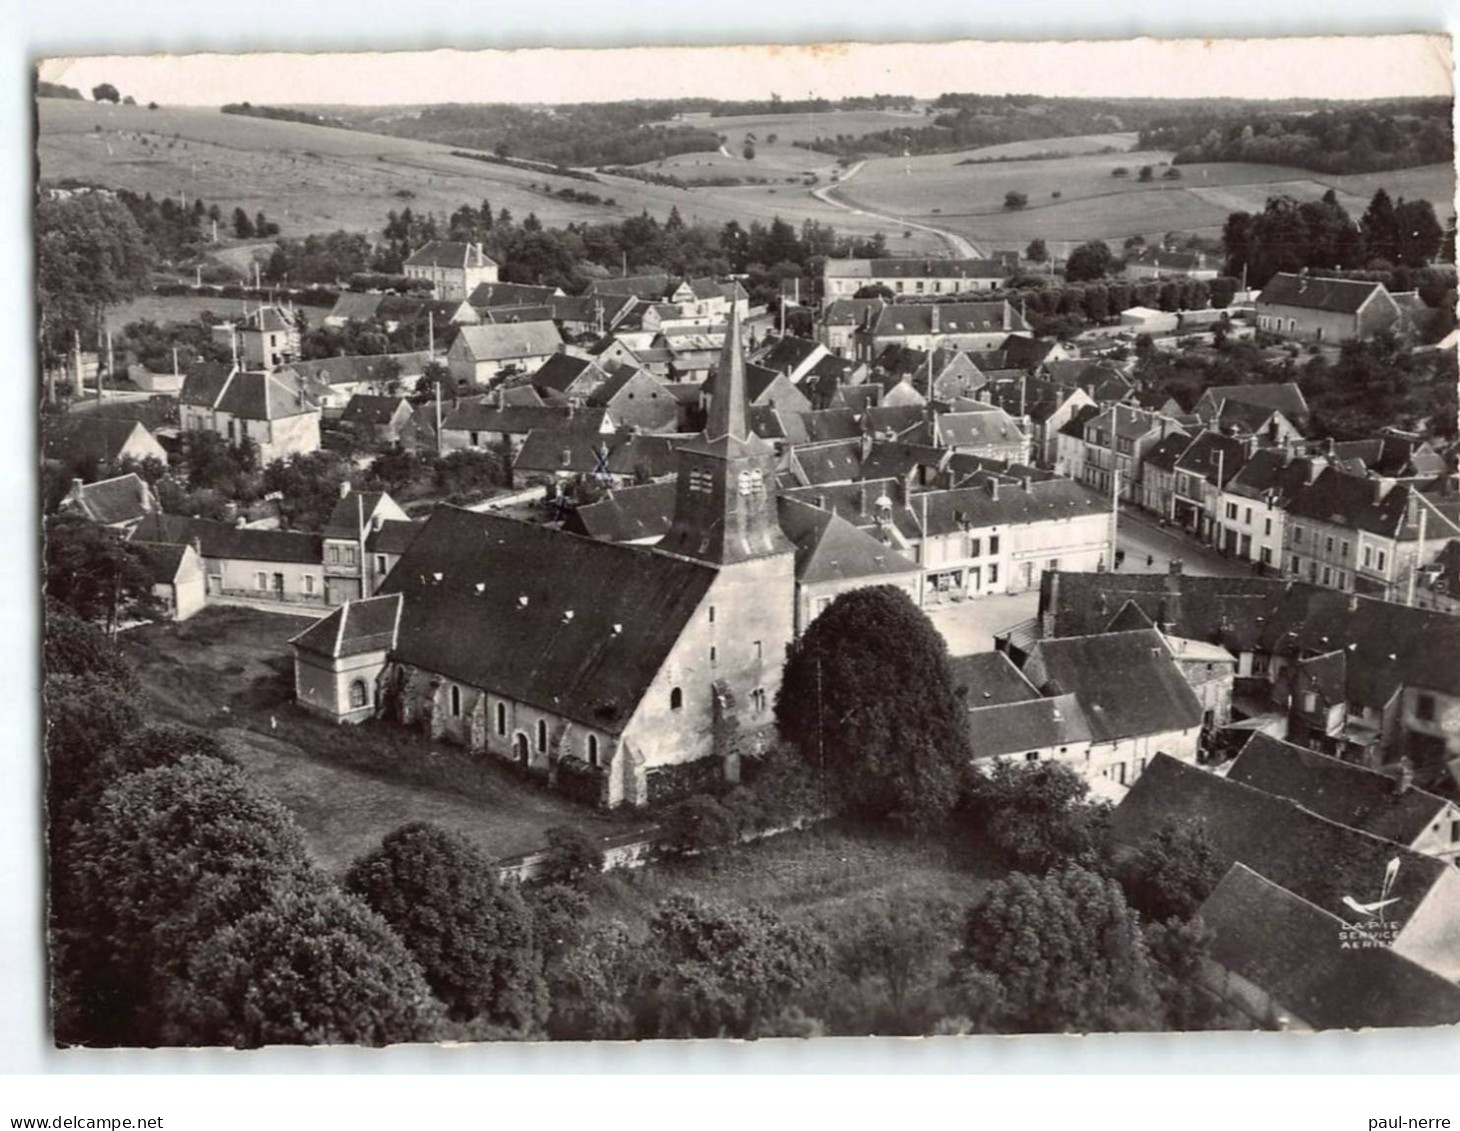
point(314, 179)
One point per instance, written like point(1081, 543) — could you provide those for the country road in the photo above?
point(961, 247)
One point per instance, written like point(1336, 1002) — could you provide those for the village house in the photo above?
point(177, 577)
point(482, 354)
point(530, 644)
point(1364, 534)
point(332, 381)
point(270, 409)
point(565, 377)
point(1045, 405)
point(376, 421)
point(1156, 491)
point(1109, 703)
point(843, 278)
point(1112, 443)
point(265, 339)
point(635, 400)
point(1399, 703)
point(1317, 859)
point(986, 431)
point(1203, 470)
point(1254, 503)
point(490, 425)
point(1297, 979)
point(245, 564)
point(118, 504)
point(619, 459)
point(837, 327)
point(970, 326)
point(1158, 263)
point(1357, 796)
point(486, 295)
point(453, 269)
point(909, 376)
point(348, 572)
point(638, 515)
point(1284, 398)
point(795, 357)
point(102, 441)
point(337, 660)
point(1325, 310)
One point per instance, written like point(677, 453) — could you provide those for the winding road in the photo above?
point(960, 246)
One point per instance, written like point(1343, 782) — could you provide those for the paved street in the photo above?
point(970, 626)
point(1140, 537)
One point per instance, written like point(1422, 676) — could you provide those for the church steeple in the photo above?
point(725, 507)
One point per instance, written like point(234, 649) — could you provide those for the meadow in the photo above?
point(317, 179)
point(1094, 204)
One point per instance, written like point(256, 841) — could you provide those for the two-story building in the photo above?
point(453, 269)
point(270, 409)
point(1325, 310)
point(843, 278)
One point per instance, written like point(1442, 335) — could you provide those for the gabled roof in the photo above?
point(510, 341)
point(990, 427)
point(1337, 296)
point(637, 382)
point(829, 424)
point(89, 436)
point(391, 536)
point(1293, 950)
point(1127, 682)
point(1210, 455)
point(205, 382)
point(239, 543)
point(627, 514)
point(1165, 452)
point(578, 450)
point(899, 267)
point(124, 498)
point(266, 319)
point(162, 559)
point(510, 294)
point(894, 419)
point(1284, 397)
point(833, 461)
point(1315, 858)
point(486, 416)
point(954, 319)
point(363, 368)
point(829, 548)
point(356, 627)
point(449, 253)
point(1371, 505)
point(1028, 725)
point(351, 512)
point(647, 287)
point(354, 305)
point(999, 503)
point(1272, 470)
point(547, 618)
point(561, 371)
point(1345, 792)
point(849, 311)
point(991, 680)
point(246, 394)
point(1165, 260)
point(788, 353)
point(366, 409)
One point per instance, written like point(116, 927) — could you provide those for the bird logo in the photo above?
point(1384, 900)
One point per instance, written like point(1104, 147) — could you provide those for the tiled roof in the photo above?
point(829, 424)
point(829, 548)
point(88, 436)
point(1371, 505)
point(1284, 397)
point(162, 559)
point(1169, 260)
point(353, 305)
point(247, 394)
point(1127, 682)
point(1164, 453)
point(391, 536)
point(947, 512)
point(991, 680)
point(954, 319)
point(356, 627)
point(366, 409)
point(1345, 792)
point(1025, 726)
point(1338, 296)
point(486, 416)
point(1315, 858)
point(352, 511)
point(509, 294)
point(124, 498)
point(561, 371)
point(647, 287)
point(832, 461)
point(508, 342)
point(893, 267)
point(204, 382)
point(546, 618)
point(849, 311)
point(545, 448)
point(893, 419)
point(362, 368)
point(990, 427)
point(239, 543)
point(787, 352)
point(1210, 455)
point(1292, 950)
point(627, 514)
point(447, 253)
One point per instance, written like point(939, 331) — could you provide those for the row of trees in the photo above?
point(1289, 236)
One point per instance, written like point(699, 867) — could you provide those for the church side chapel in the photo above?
point(622, 674)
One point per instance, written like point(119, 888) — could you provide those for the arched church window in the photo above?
point(541, 736)
point(359, 694)
point(676, 699)
point(455, 700)
point(593, 750)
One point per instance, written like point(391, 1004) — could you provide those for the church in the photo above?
point(624, 675)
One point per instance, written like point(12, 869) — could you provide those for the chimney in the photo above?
point(1026, 481)
point(1353, 602)
point(345, 489)
point(1405, 781)
point(993, 483)
point(933, 319)
point(1175, 567)
point(1381, 489)
point(863, 507)
point(1328, 448)
point(1049, 594)
point(76, 485)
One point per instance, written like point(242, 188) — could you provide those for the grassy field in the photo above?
point(314, 178)
point(1038, 147)
point(229, 670)
point(1093, 204)
point(185, 308)
point(820, 874)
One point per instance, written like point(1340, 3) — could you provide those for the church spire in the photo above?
point(727, 406)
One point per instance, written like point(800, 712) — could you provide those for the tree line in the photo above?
point(1348, 139)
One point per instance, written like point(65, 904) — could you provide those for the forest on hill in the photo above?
point(1346, 139)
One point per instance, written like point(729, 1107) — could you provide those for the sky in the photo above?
point(1389, 66)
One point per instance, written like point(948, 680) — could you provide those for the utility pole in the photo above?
point(431, 334)
point(1114, 516)
point(77, 387)
point(1216, 518)
point(438, 417)
point(1419, 554)
point(110, 371)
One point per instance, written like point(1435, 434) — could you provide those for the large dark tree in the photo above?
point(868, 696)
point(95, 574)
point(168, 857)
point(472, 938)
point(311, 966)
point(1381, 228)
point(1091, 260)
point(1037, 813)
point(1173, 872)
point(105, 92)
point(1418, 232)
point(1066, 952)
